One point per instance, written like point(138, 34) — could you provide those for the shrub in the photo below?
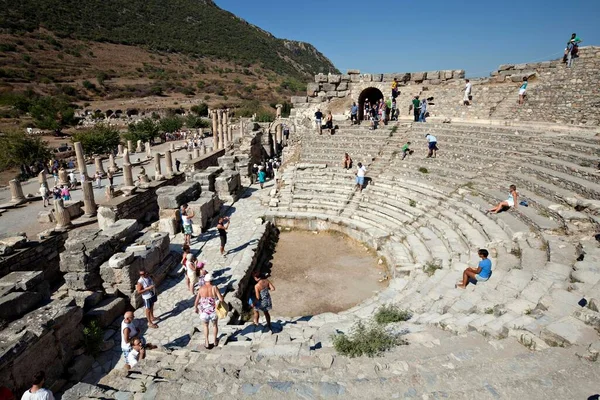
point(93, 336)
point(412, 203)
point(193, 122)
point(369, 340)
point(101, 77)
point(200, 109)
point(390, 313)
point(423, 170)
point(89, 85)
point(170, 124)
point(145, 130)
point(18, 148)
point(431, 267)
point(156, 91)
point(100, 139)
point(52, 113)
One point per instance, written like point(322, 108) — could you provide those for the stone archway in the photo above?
point(372, 94)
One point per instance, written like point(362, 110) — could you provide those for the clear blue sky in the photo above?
point(405, 36)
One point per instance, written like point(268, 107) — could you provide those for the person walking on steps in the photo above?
point(262, 299)
point(354, 114)
point(360, 177)
point(206, 306)
point(395, 88)
point(406, 150)
point(416, 106)
point(431, 145)
point(319, 121)
point(423, 112)
point(222, 227)
point(523, 91)
point(146, 287)
point(572, 50)
point(467, 97)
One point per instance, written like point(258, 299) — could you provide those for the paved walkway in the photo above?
point(175, 302)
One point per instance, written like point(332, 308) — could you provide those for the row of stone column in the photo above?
point(158, 174)
point(141, 147)
point(221, 128)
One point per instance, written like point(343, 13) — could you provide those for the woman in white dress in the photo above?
point(511, 202)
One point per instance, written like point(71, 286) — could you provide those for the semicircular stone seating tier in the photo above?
point(428, 218)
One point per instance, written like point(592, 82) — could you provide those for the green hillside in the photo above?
point(194, 27)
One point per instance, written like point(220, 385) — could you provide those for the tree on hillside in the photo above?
point(200, 110)
point(52, 113)
point(145, 130)
point(170, 124)
point(101, 139)
point(20, 149)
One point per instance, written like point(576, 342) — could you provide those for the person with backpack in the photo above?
point(572, 50)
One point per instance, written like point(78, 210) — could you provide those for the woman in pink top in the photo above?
point(66, 194)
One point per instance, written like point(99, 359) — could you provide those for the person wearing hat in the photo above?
point(206, 306)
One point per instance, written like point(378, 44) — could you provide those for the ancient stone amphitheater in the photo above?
point(530, 332)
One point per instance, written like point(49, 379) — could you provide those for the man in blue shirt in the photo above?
point(480, 274)
point(354, 114)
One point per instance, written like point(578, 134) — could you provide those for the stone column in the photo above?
point(241, 128)
point(215, 127)
point(43, 179)
point(126, 157)
point(278, 113)
point(157, 168)
point(16, 191)
point(89, 204)
point(139, 149)
point(220, 129)
point(202, 149)
point(279, 133)
point(130, 146)
point(80, 159)
point(189, 156)
point(112, 165)
point(169, 162)
point(225, 138)
point(127, 175)
point(226, 122)
point(120, 150)
point(63, 177)
point(99, 167)
point(196, 153)
point(148, 150)
point(63, 218)
point(172, 147)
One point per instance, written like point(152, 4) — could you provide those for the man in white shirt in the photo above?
point(360, 177)
point(466, 98)
point(37, 392)
point(432, 144)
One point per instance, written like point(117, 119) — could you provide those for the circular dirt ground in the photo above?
point(324, 272)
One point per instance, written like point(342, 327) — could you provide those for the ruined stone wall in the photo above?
point(208, 160)
point(39, 255)
point(141, 206)
point(556, 94)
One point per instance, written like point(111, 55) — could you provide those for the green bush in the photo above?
point(423, 170)
point(101, 139)
point(170, 124)
point(18, 148)
point(194, 122)
point(89, 85)
point(200, 109)
point(93, 337)
point(430, 268)
point(52, 113)
point(391, 313)
point(145, 130)
point(369, 340)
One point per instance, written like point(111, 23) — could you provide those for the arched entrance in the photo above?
point(372, 94)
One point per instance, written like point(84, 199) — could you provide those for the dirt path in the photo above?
point(317, 273)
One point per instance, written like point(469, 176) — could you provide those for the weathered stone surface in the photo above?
point(320, 78)
point(298, 99)
point(312, 89)
point(334, 78)
point(123, 230)
point(417, 76)
point(174, 196)
point(342, 86)
point(15, 304)
point(345, 78)
point(328, 87)
point(353, 72)
point(107, 311)
point(432, 75)
point(377, 77)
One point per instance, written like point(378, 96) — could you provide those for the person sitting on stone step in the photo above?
point(347, 161)
point(129, 332)
point(480, 274)
point(511, 201)
point(136, 353)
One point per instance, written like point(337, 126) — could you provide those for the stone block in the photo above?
point(106, 216)
point(506, 67)
point(343, 93)
point(432, 75)
point(119, 260)
point(520, 66)
point(499, 78)
point(417, 76)
point(377, 77)
point(45, 217)
point(207, 206)
point(367, 77)
point(447, 74)
point(123, 230)
point(458, 74)
point(299, 99)
point(86, 299)
point(74, 208)
point(83, 280)
point(435, 82)
point(342, 86)
point(569, 331)
point(16, 304)
point(331, 94)
point(80, 366)
point(353, 72)
point(334, 78)
point(320, 78)
point(107, 311)
point(174, 196)
point(355, 78)
point(345, 78)
point(23, 280)
point(327, 87)
point(312, 89)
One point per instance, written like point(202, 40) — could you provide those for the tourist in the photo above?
point(186, 221)
point(136, 353)
point(128, 332)
point(394, 107)
point(431, 145)
point(262, 176)
point(406, 150)
point(98, 177)
point(186, 250)
point(37, 390)
point(146, 287)
point(222, 227)
point(354, 114)
point(423, 112)
point(177, 164)
point(480, 274)
point(57, 193)
point(110, 178)
point(395, 88)
point(523, 91)
point(318, 121)
point(367, 110)
point(571, 50)
point(382, 111)
point(276, 175)
point(82, 176)
point(374, 117)
point(360, 176)
point(253, 174)
point(286, 133)
point(416, 105)
point(262, 298)
point(329, 122)
point(511, 201)
point(45, 193)
point(206, 306)
point(190, 272)
point(65, 193)
point(467, 96)
point(55, 176)
point(347, 162)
